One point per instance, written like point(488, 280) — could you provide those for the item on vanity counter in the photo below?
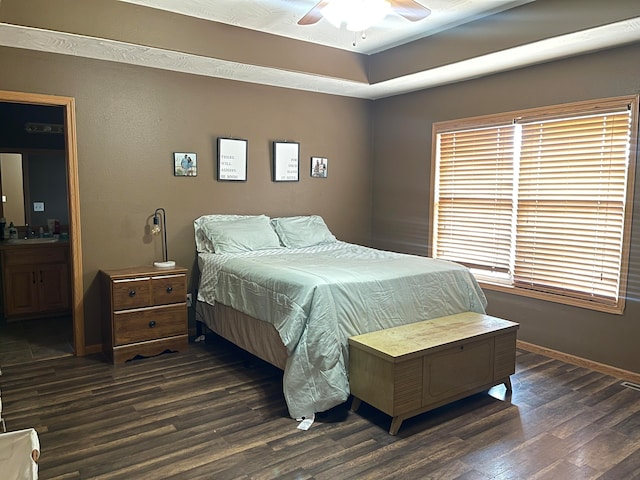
point(53, 225)
point(13, 231)
point(3, 224)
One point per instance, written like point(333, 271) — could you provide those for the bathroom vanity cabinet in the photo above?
point(35, 279)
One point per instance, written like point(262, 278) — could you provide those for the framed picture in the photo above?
point(286, 161)
point(319, 166)
point(185, 164)
point(232, 159)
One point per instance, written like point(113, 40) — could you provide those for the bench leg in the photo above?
point(355, 404)
point(395, 425)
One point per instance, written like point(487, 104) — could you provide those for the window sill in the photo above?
point(549, 297)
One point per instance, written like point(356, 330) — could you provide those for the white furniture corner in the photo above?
point(19, 454)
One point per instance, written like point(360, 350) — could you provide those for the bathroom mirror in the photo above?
point(12, 188)
point(34, 188)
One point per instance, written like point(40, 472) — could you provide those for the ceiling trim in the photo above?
point(586, 41)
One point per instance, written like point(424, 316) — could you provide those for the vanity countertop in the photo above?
point(31, 243)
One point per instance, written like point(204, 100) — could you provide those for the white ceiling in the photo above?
point(281, 16)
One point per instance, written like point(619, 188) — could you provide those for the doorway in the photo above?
point(68, 104)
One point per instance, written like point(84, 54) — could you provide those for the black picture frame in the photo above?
point(286, 161)
point(232, 159)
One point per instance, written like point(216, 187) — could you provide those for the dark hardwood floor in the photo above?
point(216, 413)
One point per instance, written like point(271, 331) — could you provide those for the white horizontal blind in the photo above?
point(571, 202)
point(473, 210)
point(539, 202)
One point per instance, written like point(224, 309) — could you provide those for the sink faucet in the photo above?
point(29, 232)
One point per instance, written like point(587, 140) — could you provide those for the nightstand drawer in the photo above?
point(149, 323)
point(167, 289)
point(131, 293)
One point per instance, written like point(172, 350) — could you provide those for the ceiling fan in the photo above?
point(408, 9)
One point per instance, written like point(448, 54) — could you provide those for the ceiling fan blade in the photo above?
point(409, 9)
point(314, 15)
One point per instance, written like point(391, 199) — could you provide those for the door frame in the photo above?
point(73, 198)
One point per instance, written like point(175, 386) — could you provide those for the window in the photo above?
point(539, 202)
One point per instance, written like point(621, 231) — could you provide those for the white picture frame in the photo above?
point(185, 164)
point(319, 167)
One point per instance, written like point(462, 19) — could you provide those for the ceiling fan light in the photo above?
point(356, 15)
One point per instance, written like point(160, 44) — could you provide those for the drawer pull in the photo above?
point(152, 323)
point(132, 293)
point(169, 289)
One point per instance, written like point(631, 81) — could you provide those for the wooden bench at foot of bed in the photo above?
point(408, 370)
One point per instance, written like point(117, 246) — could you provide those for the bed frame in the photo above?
point(257, 337)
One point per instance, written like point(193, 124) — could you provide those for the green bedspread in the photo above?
point(318, 297)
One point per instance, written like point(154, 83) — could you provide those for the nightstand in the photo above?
point(144, 311)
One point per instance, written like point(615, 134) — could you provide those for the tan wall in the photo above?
point(402, 163)
point(131, 119)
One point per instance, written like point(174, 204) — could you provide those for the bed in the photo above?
point(286, 290)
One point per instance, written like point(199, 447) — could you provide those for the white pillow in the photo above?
point(203, 243)
point(242, 234)
point(302, 231)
